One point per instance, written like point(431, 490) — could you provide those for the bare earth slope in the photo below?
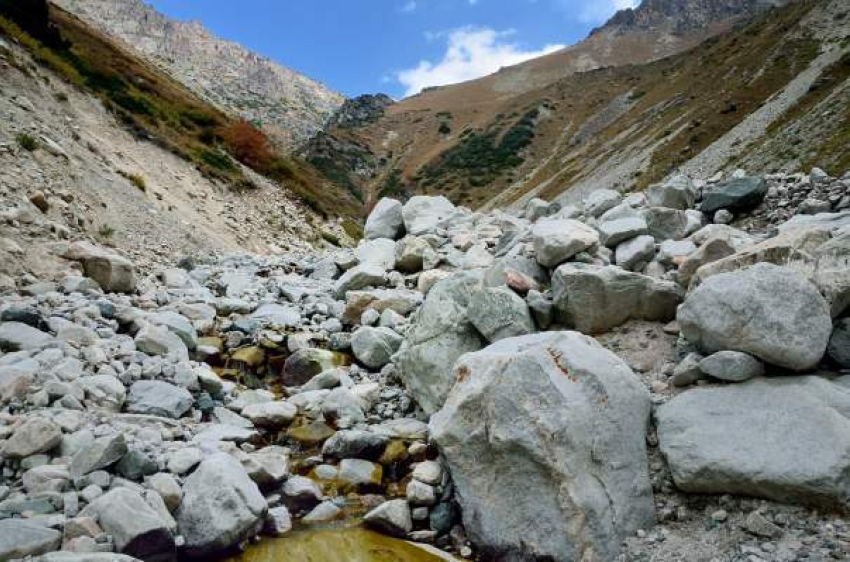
point(290, 105)
point(70, 169)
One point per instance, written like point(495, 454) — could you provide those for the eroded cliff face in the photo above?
point(291, 106)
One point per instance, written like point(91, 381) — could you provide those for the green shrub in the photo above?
point(353, 229)
point(27, 142)
point(444, 129)
point(106, 231)
point(216, 160)
point(482, 156)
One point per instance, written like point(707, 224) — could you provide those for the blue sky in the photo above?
point(396, 46)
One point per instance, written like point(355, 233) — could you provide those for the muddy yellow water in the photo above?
point(336, 545)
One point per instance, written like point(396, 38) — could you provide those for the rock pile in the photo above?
point(441, 380)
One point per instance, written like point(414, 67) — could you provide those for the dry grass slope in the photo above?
point(156, 107)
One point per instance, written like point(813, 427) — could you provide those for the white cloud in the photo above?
point(598, 11)
point(409, 6)
point(471, 52)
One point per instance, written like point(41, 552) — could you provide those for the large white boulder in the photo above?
point(556, 241)
point(786, 439)
point(768, 311)
point(441, 331)
point(221, 506)
point(544, 436)
point(422, 213)
point(385, 220)
point(595, 299)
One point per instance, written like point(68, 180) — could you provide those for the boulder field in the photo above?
point(645, 376)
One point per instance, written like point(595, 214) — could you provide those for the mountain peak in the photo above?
point(682, 16)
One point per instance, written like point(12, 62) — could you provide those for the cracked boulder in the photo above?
point(548, 432)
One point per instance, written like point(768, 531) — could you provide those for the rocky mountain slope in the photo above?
point(769, 93)
point(289, 105)
point(87, 156)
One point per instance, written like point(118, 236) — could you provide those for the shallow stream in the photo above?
point(341, 544)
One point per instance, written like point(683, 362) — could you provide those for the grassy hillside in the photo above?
point(620, 127)
point(157, 108)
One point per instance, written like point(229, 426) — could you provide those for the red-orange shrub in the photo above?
point(248, 144)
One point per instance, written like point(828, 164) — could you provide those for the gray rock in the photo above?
point(104, 392)
point(64, 556)
point(410, 253)
point(392, 517)
point(731, 366)
point(359, 277)
point(377, 253)
point(306, 363)
point(422, 214)
point(136, 464)
point(499, 313)
point(221, 506)
point(21, 538)
point(688, 371)
point(541, 308)
point(183, 460)
point(419, 493)
point(712, 250)
point(301, 493)
point(114, 273)
point(440, 333)
point(343, 408)
point(35, 435)
point(168, 489)
point(355, 444)
point(595, 299)
point(666, 224)
point(632, 253)
point(374, 346)
point(739, 194)
point(158, 398)
point(673, 252)
point(785, 439)
point(402, 301)
point(136, 528)
point(546, 430)
point(270, 414)
point(385, 220)
point(158, 340)
point(278, 522)
point(268, 467)
point(16, 336)
point(600, 201)
point(723, 217)
point(839, 343)
point(767, 311)
point(497, 274)
point(556, 241)
point(179, 325)
point(677, 192)
point(614, 232)
point(357, 474)
point(101, 453)
point(429, 472)
point(277, 315)
point(537, 208)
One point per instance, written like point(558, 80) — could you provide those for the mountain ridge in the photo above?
point(543, 128)
point(290, 106)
